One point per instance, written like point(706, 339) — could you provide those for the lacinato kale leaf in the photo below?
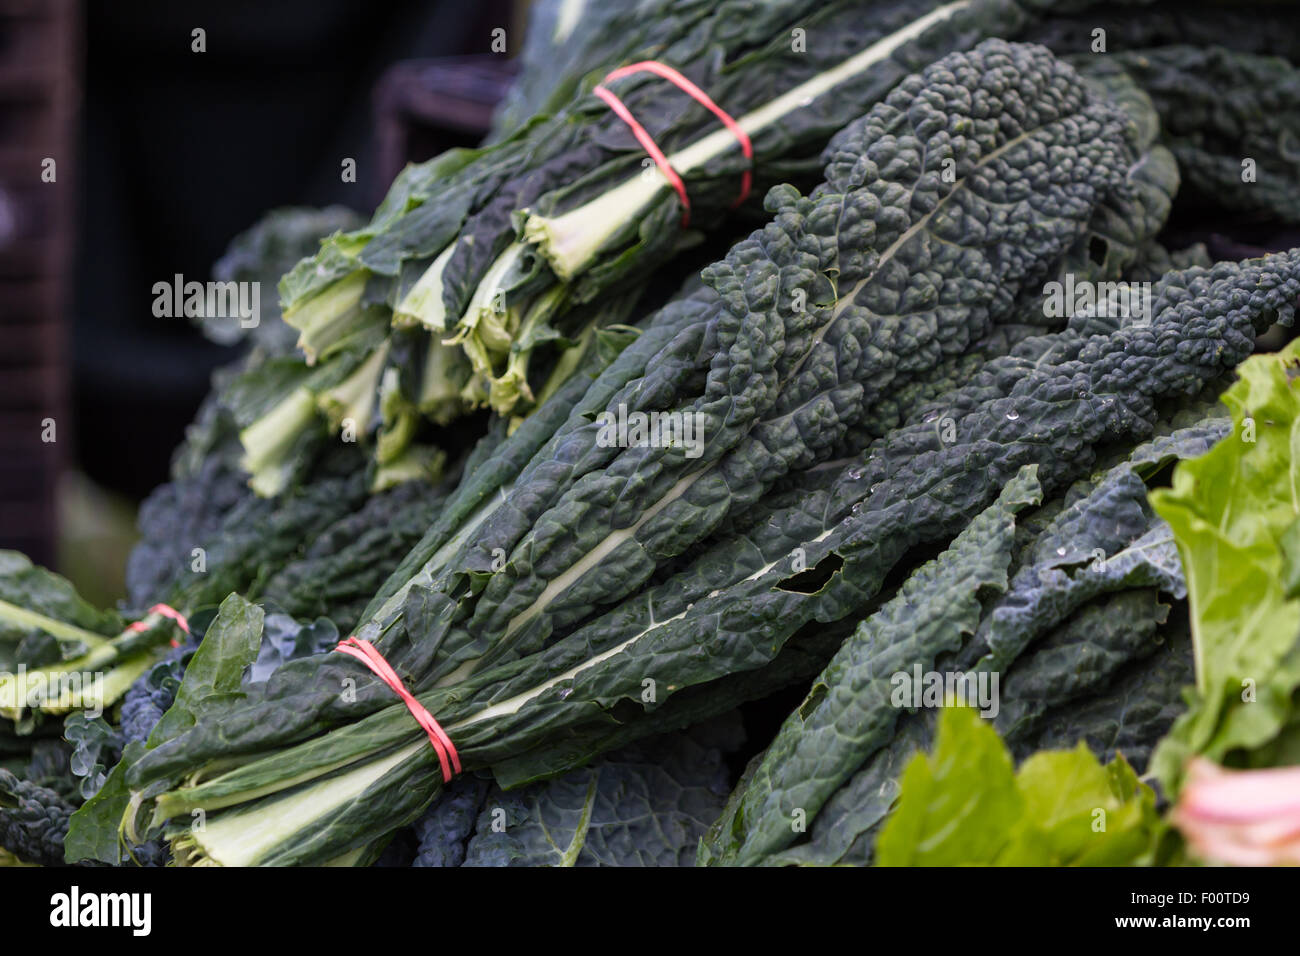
point(897, 264)
point(544, 605)
point(1132, 711)
point(1081, 605)
point(33, 820)
point(1252, 26)
point(1087, 392)
point(443, 833)
point(342, 567)
point(646, 805)
point(802, 657)
point(1084, 653)
point(850, 709)
point(492, 249)
point(1232, 120)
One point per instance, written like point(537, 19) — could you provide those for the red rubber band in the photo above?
point(649, 145)
point(165, 611)
point(367, 654)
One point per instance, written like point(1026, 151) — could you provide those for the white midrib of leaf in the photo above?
point(245, 837)
point(569, 854)
point(597, 554)
point(58, 629)
point(513, 705)
point(354, 397)
point(769, 567)
point(16, 688)
point(483, 303)
point(424, 301)
point(114, 685)
point(566, 19)
point(592, 223)
point(267, 440)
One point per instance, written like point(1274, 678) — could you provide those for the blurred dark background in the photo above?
point(162, 155)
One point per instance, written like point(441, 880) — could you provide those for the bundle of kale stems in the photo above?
point(907, 460)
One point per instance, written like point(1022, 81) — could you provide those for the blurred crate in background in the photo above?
point(424, 107)
point(78, 346)
point(38, 97)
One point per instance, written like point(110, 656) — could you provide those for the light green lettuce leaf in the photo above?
point(965, 805)
point(1234, 514)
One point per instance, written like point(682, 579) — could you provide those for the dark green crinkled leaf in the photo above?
point(1220, 107)
point(463, 229)
point(849, 710)
point(188, 512)
point(1059, 411)
point(33, 821)
point(646, 805)
point(803, 656)
point(1084, 653)
point(1113, 659)
point(1132, 711)
point(445, 829)
point(1085, 392)
point(1104, 542)
point(342, 567)
point(1156, 260)
point(776, 387)
point(1102, 539)
point(1253, 26)
point(251, 539)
